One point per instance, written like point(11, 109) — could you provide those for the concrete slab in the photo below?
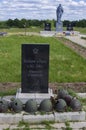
point(16, 127)
point(82, 95)
point(78, 40)
point(78, 125)
point(38, 118)
point(47, 33)
point(56, 117)
point(37, 96)
point(5, 126)
point(8, 98)
point(70, 116)
point(58, 125)
point(73, 125)
point(6, 118)
point(38, 126)
point(55, 126)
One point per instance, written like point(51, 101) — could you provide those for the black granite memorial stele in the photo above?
point(35, 66)
point(69, 27)
point(47, 26)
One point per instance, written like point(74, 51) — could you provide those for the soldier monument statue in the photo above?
point(59, 24)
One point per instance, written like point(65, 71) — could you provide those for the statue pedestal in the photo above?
point(59, 27)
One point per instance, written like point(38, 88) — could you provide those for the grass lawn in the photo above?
point(83, 38)
point(65, 65)
point(38, 29)
point(15, 30)
point(81, 30)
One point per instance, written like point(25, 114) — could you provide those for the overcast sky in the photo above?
point(42, 9)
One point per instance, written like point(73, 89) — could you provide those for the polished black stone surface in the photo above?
point(35, 67)
point(69, 27)
point(47, 26)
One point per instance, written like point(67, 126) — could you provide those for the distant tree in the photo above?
point(3, 24)
point(65, 23)
point(74, 23)
point(16, 22)
point(24, 22)
point(9, 22)
point(81, 23)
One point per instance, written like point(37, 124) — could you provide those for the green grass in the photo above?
point(8, 92)
point(82, 100)
point(38, 29)
point(22, 123)
point(48, 124)
point(15, 30)
point(81, 30)
point(83, 38)
point(65, 65)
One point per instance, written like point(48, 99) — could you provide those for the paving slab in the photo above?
point(47, 33)
point(58, 125)
point(5, 126)
point(16, 127)
point(37, 126)
point(38, 118)
point(78, 125)
point(78, 40)
point(73, 125)
point(70, 116)
point(10, 118)
point(57, 117)
point(55, 126)
point(82, 95)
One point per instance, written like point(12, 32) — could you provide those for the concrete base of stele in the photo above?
point(47, 33)
point(37, 96)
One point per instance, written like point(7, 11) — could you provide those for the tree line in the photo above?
point(28, 23)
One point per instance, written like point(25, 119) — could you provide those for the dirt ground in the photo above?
point(77, 87)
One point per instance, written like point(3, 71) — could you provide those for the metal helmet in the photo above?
point(62, 93)
point(3, 105)
point(46, 105)
point(60, 105)
point(76, 105)
point(68, 99)
point(31, 106)
point(17, 105)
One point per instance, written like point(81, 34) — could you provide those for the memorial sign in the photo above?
point(47, 26)
point(69, 27)
point(35, 66)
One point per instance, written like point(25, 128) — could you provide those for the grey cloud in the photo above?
point(42, 9)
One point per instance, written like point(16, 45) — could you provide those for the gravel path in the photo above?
point(78, 40)
point(74, 45)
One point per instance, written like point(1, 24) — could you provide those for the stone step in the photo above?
point(9, 118)
point(73, 125)
point(55, 126)
point(82, 95)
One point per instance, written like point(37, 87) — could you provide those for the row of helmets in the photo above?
point(60, 104)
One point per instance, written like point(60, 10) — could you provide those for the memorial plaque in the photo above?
point(47, 27)
point(69, 27)
point(35, 66)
